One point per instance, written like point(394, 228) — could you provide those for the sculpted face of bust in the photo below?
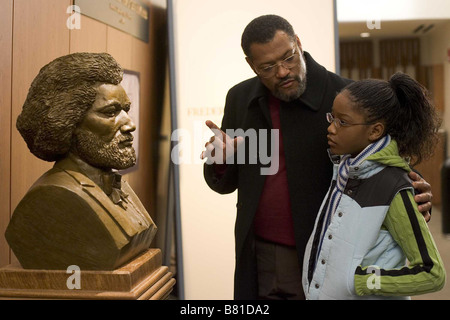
point(104, 137)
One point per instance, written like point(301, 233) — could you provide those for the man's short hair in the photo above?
point(263, 30)
point(59, 98)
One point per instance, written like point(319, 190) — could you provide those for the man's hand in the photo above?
point(424, 197)
point(221, 146)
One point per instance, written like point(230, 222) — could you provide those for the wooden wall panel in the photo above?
point(149, 59)
point(119, 46)
point(144, 187)
point(40, 35)
point(90, 38)
point(33, 33)
point(5, 122)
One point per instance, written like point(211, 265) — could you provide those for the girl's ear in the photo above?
point(376, 131)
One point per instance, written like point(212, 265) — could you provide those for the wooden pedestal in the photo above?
point(144, 278)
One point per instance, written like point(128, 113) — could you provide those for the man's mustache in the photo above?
point(288, 78)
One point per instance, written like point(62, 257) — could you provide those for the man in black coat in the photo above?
point(276, 209)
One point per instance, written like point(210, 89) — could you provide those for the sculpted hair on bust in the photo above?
point(263, 29)
point(59, 98)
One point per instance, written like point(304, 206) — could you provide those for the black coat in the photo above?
point(309, 170)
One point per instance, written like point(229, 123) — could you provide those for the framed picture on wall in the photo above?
point(131, 84)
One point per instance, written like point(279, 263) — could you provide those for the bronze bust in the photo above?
point(80, 212)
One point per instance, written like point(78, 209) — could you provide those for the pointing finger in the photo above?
point(215, 129)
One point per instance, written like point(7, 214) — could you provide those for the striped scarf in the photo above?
point(342, 178)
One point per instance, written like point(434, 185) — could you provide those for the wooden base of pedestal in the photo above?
point(143, 278)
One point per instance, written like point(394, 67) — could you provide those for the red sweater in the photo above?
point(273, 219)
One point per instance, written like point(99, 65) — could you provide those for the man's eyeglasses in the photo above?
point(288, 63)
point(339, 123)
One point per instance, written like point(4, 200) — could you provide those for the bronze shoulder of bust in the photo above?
point(67, 219)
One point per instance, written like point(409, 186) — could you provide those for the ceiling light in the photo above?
point(365, 35)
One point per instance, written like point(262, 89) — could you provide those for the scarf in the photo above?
point(342, 178)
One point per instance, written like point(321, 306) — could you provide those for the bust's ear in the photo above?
point(376, 131)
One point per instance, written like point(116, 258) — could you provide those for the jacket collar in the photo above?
point(74, 163)
point(313, 95)
point(133, 220)
point(316, 74)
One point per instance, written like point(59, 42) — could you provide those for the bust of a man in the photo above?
point(80, 212)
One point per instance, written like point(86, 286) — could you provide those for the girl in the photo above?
point(368, 224)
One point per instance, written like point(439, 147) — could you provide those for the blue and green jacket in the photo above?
point(377, 244)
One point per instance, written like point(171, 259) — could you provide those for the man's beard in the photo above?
point(301, 80)
point(105, 155)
